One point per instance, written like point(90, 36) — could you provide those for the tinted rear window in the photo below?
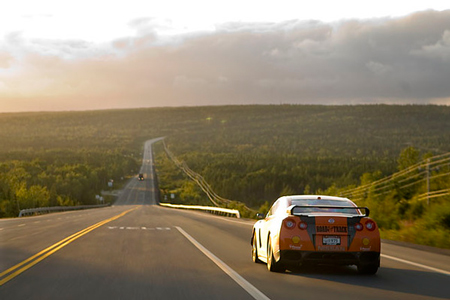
point(324, 202)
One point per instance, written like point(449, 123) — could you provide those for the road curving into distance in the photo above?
point(136, 250)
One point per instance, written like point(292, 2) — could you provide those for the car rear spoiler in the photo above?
point(296, 210)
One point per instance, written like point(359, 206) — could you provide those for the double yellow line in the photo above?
point(28, 263)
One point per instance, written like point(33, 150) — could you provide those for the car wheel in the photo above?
point(367, 269)
point(272, 264)
point(255, 250)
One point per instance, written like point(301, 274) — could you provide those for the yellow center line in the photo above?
point(33, 260)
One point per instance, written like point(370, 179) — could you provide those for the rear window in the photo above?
point(324, 202)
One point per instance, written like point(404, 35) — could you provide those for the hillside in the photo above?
point(255, 153)
point(247, 153)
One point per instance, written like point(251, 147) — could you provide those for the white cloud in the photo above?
point(6, 60)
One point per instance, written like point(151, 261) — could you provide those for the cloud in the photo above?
point(379, 68)
point(400, 60)
point(6, 60)
point(439, 50)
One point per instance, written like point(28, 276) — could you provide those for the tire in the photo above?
point(367, 269)
point(272, 264)
point(255, 250)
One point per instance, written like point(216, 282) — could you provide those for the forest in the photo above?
point(248, 154)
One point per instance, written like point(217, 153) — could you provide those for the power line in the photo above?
point(419, 172)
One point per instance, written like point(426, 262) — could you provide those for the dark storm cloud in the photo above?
point(402, 60)
point(355, 61)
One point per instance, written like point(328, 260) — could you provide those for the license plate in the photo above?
point(331, 240)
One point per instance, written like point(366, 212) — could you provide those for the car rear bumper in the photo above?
point(296, 257)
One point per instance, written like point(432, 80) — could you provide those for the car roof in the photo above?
point(318, 197)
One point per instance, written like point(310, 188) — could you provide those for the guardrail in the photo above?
point(210, 209)
point(43, 210)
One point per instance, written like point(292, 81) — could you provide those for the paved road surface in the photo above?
point(144, 192)
point(135, 250)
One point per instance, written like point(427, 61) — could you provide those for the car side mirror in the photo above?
point(260, 216)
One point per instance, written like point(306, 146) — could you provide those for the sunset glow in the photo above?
point(67, 55)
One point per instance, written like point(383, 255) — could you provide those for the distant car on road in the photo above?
point(141, 177)
point(312, 229)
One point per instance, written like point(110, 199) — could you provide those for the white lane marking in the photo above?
point(253, 291)
point(139, 228)
point(20, 225)
point(1, 229)
point(37, 222)
point(416, 264)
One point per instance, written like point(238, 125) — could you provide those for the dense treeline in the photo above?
point(254, 154)
point(54, 178)
point(251, 154)
point(64, 158)
point(413, 204)
point(257, 156)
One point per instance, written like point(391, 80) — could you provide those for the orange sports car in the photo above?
point(311, 229)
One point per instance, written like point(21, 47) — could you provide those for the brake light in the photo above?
point(359, 226)
point(370, 225)
point(302, 225)
point(289, 224)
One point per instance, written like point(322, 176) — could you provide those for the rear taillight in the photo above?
point(359, 226)
point(302, 225)
point(370, 225)
point(289, 224)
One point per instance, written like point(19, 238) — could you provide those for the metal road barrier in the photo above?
point(210, 209)
point(47, 210)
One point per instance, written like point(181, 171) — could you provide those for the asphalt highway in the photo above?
point(139, 250)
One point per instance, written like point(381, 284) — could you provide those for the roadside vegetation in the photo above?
point(412, 204)
point(249, 154)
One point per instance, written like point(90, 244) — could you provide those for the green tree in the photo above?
point(408, 157)
point(287, 190)
point(35, 196)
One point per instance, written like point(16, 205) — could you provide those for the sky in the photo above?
point(86, 55)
